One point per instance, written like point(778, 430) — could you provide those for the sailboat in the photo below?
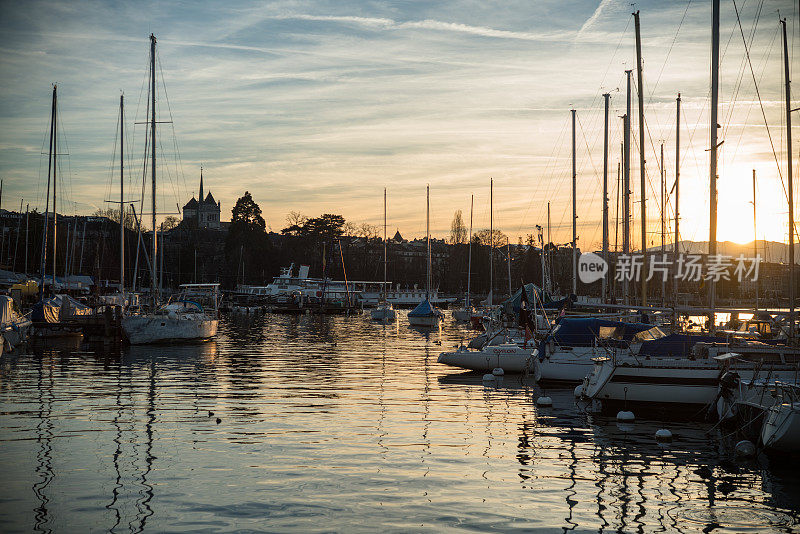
point(181, 320)
point(464, 314)
point(384, 312)
point(426, 314)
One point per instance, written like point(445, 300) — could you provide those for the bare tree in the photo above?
point(458, 232)
point(483, 238)
point(295, 218)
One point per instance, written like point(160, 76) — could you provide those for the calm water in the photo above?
point(340, 424)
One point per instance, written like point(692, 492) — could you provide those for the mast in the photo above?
point(469, 261)
point(789, 177)
point(50, 171)
point(755, 232)
point(384, 245)
point(121, 193)
point(491, 238)
point(626, 183)
point(640, 91)
point(26, 238)
point(55, 181)
point(154, 263)
point(549, 287)
point(428, 239)
point(712, 222)
point(574, 214)
point(663, 227)
point(604, 289)
point(508, 256)
point(677, 188)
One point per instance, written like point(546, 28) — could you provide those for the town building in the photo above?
point(204, 213)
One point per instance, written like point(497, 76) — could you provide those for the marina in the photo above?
point(627, 361)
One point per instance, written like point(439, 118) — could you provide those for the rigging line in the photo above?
point(675, 38)
point(761, 104)
point(740, 76)
point(179, 160)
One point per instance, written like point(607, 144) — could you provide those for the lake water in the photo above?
point(340, 424)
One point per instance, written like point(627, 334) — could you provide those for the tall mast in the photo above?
point(55, 181)
point(712, 196)
point(626, 183)
point(606, 98)
point(50, 171)
point(640, 91)
point(384, 244)
point(491, 238)
point(663, 226)
point(677, 189)
point(789, 178)
point(428, 238)
point(574, 214)
point(153, 263)
point(469, 261)
point(755, 232)
point(121, 194)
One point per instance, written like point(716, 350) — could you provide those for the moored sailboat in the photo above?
point(426, 314)
point(384, 312)
point(183, 320)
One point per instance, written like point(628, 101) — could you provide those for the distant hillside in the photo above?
point(771, 251)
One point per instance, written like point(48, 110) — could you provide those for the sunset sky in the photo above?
point(315, 106)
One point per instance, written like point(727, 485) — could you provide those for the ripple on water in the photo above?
point(732, 517)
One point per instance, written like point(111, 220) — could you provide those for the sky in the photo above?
point(316, 106)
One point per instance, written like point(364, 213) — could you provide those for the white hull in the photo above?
point(428, 320)
point(144, 329)
point(781, 430)
point(463, 315)
point(384, 314)
point(510, 357)
point(663, 381)
point(569, 365)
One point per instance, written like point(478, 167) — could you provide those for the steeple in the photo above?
point(201, 183)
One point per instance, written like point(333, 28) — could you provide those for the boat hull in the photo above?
point(383, 314)
point(510, 358)
point(462, 315)
point(431, 321)
point(781, 431)
point(145, 329)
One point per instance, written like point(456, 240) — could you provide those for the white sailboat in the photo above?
point(426, 314)
point(384, 312)
point(464, 314)
point(184, 320)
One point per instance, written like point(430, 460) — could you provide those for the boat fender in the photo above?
point(625, 416)
point(578, 391)
point(663, 435)
point(745, 449)
point(551, 348)
point(172, 315)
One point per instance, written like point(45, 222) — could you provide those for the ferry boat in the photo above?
point(288, 286)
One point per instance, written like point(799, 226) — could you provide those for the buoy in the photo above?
point(498, 371)
point(625, 416)
point(579, 390)
point(663, 435)
point(544, 401)
point(488, 377)
point(745, 448)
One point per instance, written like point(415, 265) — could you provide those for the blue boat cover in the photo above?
point(423, 309)
point(537, 297)
point(575, 331)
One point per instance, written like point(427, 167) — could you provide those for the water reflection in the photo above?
point(303, 423)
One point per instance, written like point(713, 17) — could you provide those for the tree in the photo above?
point(295, 218)
point(129, 221)
point(323, 228)
point(458, 232)
point(483, 238)
point(246, 215)
point(169, 223)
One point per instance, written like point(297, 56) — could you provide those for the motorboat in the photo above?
point(183, 320)
point(510, 357)
point(384, 313)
